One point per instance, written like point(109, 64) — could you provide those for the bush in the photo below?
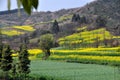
point(118, 50)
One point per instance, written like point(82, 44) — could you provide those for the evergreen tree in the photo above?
point(73, 17)
point(83, 20)
point(24, 62)
point(55, 27)
point(101, 22)
point(14, 71)
point(1, 49)
point(6, 62)
point(1, 46)
point(76, 18)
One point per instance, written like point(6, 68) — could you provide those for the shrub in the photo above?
point(118, 50)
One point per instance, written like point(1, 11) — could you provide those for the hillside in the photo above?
point(41, 22)
point(108, 9)
point(94, 38)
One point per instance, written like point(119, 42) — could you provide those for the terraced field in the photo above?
point(104, 56)
point(16, 30)
point(86, 37)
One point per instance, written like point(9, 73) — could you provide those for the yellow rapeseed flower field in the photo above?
point(34, 51)
point(83, 57)
point(26, 28)
point(11, 32)
point(87, 36)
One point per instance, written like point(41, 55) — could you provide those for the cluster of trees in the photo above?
point(100, 21)
point(78, 18)
point(16, 67)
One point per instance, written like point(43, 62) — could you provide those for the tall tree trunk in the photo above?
point(47, 54)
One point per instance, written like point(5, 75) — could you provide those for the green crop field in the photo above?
point(73, 71)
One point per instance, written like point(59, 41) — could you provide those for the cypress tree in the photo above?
point(14, 71)
point(73, 17)
point(83, 20)
point(1, 49)
point(6, 61)
point(76, 18)
point(24, 62)
point(1, 46)
point(55, 27)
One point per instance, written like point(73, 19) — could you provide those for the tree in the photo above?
point(46, 43)
point(76, 18)
point(1, 46)
point(6, 62)
point(1, 50)
point(24, 62)
point(101, 22)
point(55, 27)
point(97, 42)
point(73, 17)
point(83, 20)
point(25, 39)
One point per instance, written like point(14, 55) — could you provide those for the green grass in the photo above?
point(73, 71)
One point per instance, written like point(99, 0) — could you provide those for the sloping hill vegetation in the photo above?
point(85, 38)
point(89, 35)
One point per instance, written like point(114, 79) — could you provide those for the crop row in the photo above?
point(89, 51)
point(107, 60)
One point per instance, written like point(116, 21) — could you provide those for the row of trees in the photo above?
point(14, 66)
point(99, 20)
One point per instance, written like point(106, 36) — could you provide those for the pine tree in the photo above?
point(14, 71)
point(1, 49)
point(24, 62)
point(55, 27)
point(1, 46)
point(83, 20)
point(76, 18)
point(73, 17)
point(6, 62)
